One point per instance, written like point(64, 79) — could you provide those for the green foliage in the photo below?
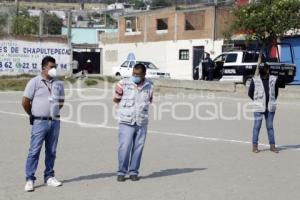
point(52, 24)
point(90, 82)
point(24, 25)
point(96, 15)
point(267, 20)
point(137, 4)
point(13, 84)
point(3, 22)
point(161, 3)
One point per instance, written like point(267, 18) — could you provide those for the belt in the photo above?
point(46, 118)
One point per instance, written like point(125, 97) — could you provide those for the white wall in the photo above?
point(164, 55)
point(25, 56)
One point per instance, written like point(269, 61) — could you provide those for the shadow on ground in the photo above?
point(172, 172)
point(162, 173)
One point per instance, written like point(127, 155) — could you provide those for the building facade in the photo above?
point(174, 39)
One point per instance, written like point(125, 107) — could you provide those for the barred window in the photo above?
point(184, 54)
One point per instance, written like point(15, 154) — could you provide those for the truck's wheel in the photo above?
point(247, 81)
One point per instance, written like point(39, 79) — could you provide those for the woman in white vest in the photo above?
point(133, 96)
point(263, 91)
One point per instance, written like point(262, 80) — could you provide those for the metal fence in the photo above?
point(8, 12)
point(16, 20)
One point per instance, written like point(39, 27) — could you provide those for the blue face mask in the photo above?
point(136, 79)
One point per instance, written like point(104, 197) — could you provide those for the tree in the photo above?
point(23, 24)
point(52, 24)
point(137, 4)
point(161, 3)
point(3, 23)
point(266, 21)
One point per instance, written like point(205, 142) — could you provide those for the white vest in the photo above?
point(134, 105)
point(259, 98)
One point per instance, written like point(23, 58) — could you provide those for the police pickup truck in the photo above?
point(240, 66)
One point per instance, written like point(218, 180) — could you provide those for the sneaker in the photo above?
point(29, 186)
point(134, 177)
point(53, 182)
point(121, 178)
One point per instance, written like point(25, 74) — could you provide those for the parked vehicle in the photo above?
point(240, 66)
point(125, 70)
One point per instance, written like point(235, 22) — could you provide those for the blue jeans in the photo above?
point(131, 144)
point(48, 131)
point(258, 117)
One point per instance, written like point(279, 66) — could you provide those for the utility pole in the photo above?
point(41, 23)
point(214, 20)
point(17, 14)
point(69, 27)
point(17, 6)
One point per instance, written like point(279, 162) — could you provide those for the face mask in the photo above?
point(52, 73)
point(136, 79)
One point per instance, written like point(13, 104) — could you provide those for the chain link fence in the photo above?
point(15, 20)
point(8, 12)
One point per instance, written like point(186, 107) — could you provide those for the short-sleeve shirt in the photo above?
point(45, 96)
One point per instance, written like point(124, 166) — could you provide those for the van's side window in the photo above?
point(250, 57)
point(220, 58)
point(231, 58)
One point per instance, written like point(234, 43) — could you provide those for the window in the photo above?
point(125, 64)
point(231, 57)
point(132, 24)
point(184, 54)
point(131, 64)
point(250, 57)
point(162, 24)
point(194, 20)
point(220, 58)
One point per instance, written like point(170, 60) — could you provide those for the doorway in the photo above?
point(198, 55)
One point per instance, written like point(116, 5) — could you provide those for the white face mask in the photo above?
point(52, 73)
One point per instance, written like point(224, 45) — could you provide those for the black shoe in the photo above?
point(121, 178)
point(134, 177)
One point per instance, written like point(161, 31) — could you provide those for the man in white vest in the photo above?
point(263, 91)
point(133, 96)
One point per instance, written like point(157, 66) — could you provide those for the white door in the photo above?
point(125, 69)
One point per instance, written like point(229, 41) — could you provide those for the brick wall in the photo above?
point(201, 20)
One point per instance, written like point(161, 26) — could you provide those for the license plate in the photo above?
point(230, 71)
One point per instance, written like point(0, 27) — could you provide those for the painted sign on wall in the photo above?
point(25, 57)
